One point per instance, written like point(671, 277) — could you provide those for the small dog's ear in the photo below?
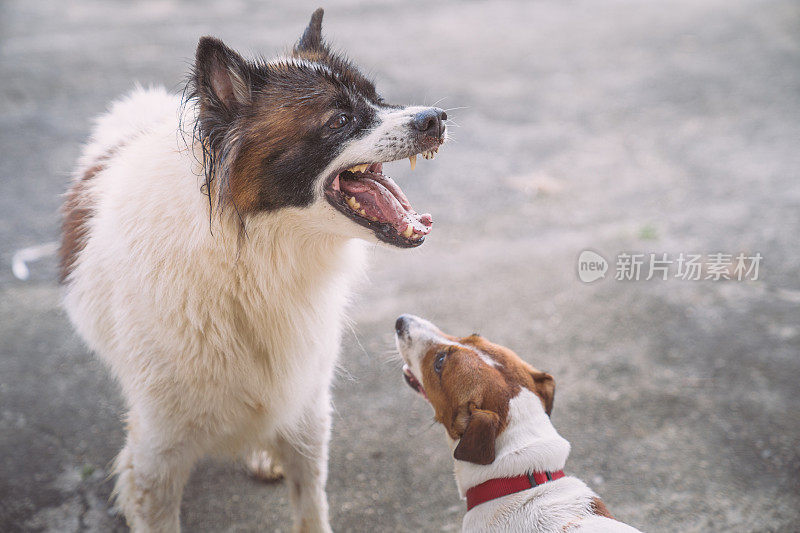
point(477, 442)
point(311, 41)
point(221, 76)
point(545, 387)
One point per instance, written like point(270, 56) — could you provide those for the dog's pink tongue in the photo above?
point(382, 199)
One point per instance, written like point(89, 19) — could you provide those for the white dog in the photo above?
point(211, 272)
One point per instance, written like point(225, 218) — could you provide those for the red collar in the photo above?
point(503, 486)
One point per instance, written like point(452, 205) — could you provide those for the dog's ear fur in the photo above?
point(545, 388)
point(477, 441)
point(311, 41)
point(221, 77)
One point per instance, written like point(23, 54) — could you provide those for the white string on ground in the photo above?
point(27, 255)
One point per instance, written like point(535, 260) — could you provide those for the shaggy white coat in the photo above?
point(221, 343)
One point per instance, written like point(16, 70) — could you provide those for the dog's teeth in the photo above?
point(374, 219)
point(413, 160)
point(363, 213)
point(352, 203)
point(407, 233)
point(359, 168)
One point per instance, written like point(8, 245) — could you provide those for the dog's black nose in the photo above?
point(401, 325)
point(430, 122)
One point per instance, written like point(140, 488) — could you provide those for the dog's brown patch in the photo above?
point(272, 138)
point(471, 398)
point(599, 508)
point(77, 210)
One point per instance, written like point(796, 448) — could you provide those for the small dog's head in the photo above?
point(469, 382)
point(308, 131)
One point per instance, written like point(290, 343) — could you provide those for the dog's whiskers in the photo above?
point(424, 429)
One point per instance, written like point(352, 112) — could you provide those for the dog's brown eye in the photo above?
point(438, 363)
point(338, 121)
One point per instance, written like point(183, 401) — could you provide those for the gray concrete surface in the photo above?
point(617, 126)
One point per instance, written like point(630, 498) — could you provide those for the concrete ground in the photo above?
point(662, 127)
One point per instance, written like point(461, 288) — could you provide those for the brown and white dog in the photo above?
point(211, 270)
point(496, 410)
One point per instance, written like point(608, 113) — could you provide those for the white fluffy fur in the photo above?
point(221, 343)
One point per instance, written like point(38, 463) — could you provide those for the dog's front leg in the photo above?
point(303, 452)
point(151, 473)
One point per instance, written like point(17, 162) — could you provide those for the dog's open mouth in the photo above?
point(413, 382)
point(375, 201)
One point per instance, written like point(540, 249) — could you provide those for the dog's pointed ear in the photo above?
point(221, 76)
point(311, 41)
point(477, 442)
point(545, 388)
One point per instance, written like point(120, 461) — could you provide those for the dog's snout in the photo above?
point(430, 122)
point(401, 325)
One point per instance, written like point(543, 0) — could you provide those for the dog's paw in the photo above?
point(263, 467)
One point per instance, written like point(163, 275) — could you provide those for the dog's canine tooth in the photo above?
point(413, 160)
point(409, 230)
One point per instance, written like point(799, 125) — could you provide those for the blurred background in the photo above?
point(617, 126)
